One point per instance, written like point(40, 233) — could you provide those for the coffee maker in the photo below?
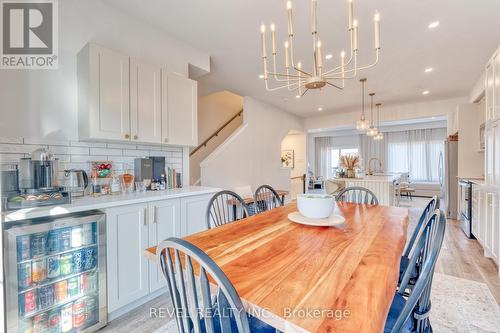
point(38, 184)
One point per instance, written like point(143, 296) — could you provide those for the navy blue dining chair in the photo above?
point(225, 207)
point(204, 299)
point(426, 214)
point(411, 314)
point(266, 198)
point(358, 195)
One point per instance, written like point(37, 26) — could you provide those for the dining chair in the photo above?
point(266, 198)
point(357, 194)
point(225, 207)
point(426, 214)
point(204, 299)
point(412, 314)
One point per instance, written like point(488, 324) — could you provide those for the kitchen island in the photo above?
point(383, 185)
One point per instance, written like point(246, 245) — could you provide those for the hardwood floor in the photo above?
point(460, 257)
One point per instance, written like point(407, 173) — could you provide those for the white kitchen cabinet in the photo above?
point(164, 222)
point(477, 198)
point(492, 87)
point(179, 110)
point(193, 214)
point(103, 94)
point(127, 268)
point(145, 102)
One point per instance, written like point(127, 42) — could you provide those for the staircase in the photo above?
point(218, 136)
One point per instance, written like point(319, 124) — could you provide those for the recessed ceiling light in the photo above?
point(434, 25)
point(426, 92)
point(320, 109)
point(329, 56)
point(261, 76)
point(429, 69)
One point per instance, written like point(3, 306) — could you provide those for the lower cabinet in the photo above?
point(127, 269)
point(131, 229)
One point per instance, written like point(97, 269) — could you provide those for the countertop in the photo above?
point(373, 178)
point(103, 202)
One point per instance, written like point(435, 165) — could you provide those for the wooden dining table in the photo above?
point(301, 278)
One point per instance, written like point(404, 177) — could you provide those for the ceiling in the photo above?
point(228, 30)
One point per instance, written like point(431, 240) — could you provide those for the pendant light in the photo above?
point(380, 135)
point(362, 123)
point(372, 130)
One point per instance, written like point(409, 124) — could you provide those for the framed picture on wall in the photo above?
point(288, 159)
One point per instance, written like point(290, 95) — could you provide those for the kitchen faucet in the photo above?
point(370, 172)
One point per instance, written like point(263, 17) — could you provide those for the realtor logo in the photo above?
point(29, 34)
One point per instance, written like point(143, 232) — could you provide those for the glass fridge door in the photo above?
point(56, 275)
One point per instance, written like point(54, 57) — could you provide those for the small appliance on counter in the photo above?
point(37, 183)
point(143, 169)
point(158, 166)
point(76, 182)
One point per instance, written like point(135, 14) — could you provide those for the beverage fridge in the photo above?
point(55, 274)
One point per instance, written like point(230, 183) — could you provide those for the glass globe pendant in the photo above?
point(372, 130)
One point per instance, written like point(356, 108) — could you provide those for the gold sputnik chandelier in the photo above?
point(295, 76)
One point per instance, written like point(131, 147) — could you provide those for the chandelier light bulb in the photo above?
point(273, 28)
point(263, 28)
point(342, 54)
point(376, 17)
point(288, 5)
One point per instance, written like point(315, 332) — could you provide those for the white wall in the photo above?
point(251, 156)
point(213, 111)
point(470, 159)
point(43, 103)
point(429, 109)
point(296, 141)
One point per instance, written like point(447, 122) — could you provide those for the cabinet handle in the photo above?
point(145, 216)
point(155, 215)
point(127, 136)
point(136, 137)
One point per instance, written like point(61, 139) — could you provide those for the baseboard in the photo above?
point(129, 307)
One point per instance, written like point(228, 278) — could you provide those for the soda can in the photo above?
point(46, 296)
point(41, 323)
point(38, 244)
point(78, 313)
point(53, 267)
point(65, 239)
point(24, 275)
point(67, 318)
point(23, 247)
point(38, 270)
point(27, 302)
point(78, 261)
point(55, 321)
point(90, 310)
point(76, 236)
point(89, 258)
point(61, 290)
point(53, 240)
point(89, 282)
point(73, 286)
point(88, 234)
point(66, 264)
point(26, 325)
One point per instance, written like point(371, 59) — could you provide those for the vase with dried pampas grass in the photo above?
point(350, 162)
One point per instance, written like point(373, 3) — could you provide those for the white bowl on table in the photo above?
point(315, 206)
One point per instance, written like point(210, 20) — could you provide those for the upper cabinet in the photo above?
point(145, 102)
point(122, 98)
point(179, 110)
point(103, 94)
point(492, 86)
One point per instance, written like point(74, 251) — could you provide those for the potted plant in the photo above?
point(350, 162)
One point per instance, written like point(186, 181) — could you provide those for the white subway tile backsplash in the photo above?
point(105, 151)
point(11, 140)
point(77, 155)
point(136, 153)
point(121, 145)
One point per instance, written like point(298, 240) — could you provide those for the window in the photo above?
point(417, 152)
